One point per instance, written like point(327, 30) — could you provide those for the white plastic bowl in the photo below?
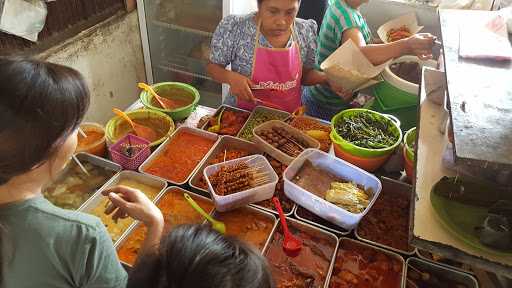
point(400, 83)
point(319, 206)
point(240, 199)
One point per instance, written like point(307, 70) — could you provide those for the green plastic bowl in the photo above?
point(360, 151)
point(161, 89)
point(116, 127)
point(409, 139)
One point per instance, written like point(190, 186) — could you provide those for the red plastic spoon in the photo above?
point(291, 244)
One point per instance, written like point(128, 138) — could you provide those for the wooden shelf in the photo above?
point(428, 233)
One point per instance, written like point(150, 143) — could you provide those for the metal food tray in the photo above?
point(282, 114)
point(341, 231)
point(455, 275)
point(395, 187)
point(321, 121)
point(390, 253)
point(264, 213)
point(167, 142)
point(98, 161)
point(422, 257)
point(224, 107)
point(143, 178)
point(276, 153)
point(146, 179)
point(294, 207)
point(314, 231)
point(225, 142)
point(134, 226)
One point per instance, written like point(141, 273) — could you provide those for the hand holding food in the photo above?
point(132, 202)
point(241, 87)
point(421, 45)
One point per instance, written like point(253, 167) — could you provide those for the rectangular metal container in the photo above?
point(390, 253)
point(315, 231)
point(225, 107)
point(455, 275)
point(390, 186)
point(225, 142)
point(167, 142)
point(134, 226)
point(276, 153)
point(338, 231)
point(282, 116)
point(98, 161)
point(268, 215)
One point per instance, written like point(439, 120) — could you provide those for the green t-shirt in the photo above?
point(338, 18)
point(45, 246)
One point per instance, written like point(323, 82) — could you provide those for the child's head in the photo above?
point(199, 257)
point(41, 105)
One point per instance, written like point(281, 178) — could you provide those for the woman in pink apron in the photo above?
point(271, 55)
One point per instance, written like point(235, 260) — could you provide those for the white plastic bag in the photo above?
point(23, 18)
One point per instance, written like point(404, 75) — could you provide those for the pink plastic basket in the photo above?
point(133, 163)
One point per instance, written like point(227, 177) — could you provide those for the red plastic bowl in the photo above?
point(368, 164)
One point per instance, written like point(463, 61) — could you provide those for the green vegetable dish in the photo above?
point(366, 130)
point(259, 117)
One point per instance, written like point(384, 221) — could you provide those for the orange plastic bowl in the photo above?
point(368, 164)
point(95, 143)
point(409, 166)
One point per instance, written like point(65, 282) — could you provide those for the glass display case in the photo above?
point(176, 37)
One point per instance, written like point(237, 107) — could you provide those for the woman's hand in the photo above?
point(346, 95)
point(421, 45)
point(241, 87)
point(132, 202)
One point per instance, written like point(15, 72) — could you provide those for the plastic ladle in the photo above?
point(291, 244)
point(216, 127)
point(164, 102)
point(141, 130)
point(216, 225)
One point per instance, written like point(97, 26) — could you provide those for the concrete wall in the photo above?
point(109, 56)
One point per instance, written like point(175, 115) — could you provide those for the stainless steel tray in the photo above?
point(390, 253)
point(145, 179)
point(167, 142)
point(337, 230)
point(134, 226)
point(225, 142)
point(455, 275)
point(227, 107)
point(423, 257)
point(95, 160)
point(282, 115)
point(268, 215)
point(276, 153)
point(314, 231)
point(390, 186)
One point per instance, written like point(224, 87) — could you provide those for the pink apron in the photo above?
point(277, 74)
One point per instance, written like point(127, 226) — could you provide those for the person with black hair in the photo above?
point(41, 107)
point(190, 255)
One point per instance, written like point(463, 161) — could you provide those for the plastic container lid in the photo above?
point(253, 195)
point(319, 206)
